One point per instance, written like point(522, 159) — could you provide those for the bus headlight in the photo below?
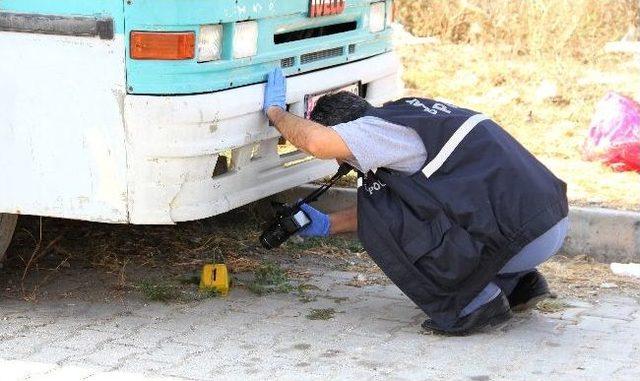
point(245, 39)
point(377, 16)
point(209, 43)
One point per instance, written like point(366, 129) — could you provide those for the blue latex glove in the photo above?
point(275, 93)
point(319, 226)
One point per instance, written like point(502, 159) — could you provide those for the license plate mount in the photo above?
point(310, 100)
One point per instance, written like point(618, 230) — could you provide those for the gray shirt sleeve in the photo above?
point(376, 143)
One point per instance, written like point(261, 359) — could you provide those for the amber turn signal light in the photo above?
point(162, 45)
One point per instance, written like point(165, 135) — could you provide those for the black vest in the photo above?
point(441, 237)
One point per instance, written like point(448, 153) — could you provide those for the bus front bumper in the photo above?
point(174, 142)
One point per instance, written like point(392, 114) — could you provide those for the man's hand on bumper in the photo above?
point(311, 137)
point(275, 93)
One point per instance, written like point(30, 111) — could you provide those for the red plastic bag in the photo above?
point(614, 134)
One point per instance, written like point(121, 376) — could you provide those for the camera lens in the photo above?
point(273, 237)
point(288, 222)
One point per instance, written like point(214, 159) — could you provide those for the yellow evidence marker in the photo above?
point(215, 277)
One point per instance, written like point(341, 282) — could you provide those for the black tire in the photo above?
point(7, 227)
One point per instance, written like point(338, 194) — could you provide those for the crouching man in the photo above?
point(452, 208)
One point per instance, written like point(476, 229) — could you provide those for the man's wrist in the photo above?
point(326, 229)
point(332, 224)
point(274, 113)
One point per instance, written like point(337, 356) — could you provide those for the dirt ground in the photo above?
point(546, 102)
point(162, 263)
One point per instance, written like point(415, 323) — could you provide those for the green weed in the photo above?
point(552, 305)
point(270, 278)
point(208, 293)
point(157, 290)
point(321, 314)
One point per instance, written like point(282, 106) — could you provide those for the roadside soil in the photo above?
point(546, 102)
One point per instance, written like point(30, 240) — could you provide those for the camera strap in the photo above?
point(342, 170)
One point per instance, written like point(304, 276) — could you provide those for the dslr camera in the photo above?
point(290, 219)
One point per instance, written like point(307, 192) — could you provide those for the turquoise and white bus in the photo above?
point(149, 111)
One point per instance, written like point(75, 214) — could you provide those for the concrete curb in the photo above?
point(606, 235)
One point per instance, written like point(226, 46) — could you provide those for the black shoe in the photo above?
point(491, 314)
point(531, 289)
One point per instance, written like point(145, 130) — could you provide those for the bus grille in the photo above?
point(321, 55)
point(287, 62)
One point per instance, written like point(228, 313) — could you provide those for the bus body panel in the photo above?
point(62, 150)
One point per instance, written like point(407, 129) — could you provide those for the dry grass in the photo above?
point(526, 26)
point(583, 278)
point(132, 257)
point(536, 67)
point(162, 263)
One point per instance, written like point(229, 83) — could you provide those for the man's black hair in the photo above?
point(338, 108)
